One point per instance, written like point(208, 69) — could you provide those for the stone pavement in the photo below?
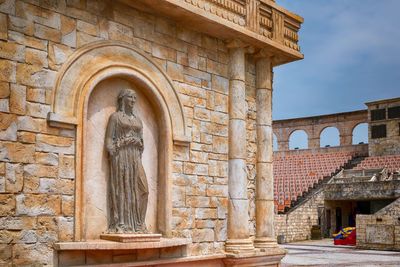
point(324, 253)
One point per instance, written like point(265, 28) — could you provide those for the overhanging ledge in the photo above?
point(111, 245)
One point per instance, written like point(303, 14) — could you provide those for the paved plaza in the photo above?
point(324, 253)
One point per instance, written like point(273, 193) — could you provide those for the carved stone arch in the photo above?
point(321, 129)
point(98, 62)
point(89, 60)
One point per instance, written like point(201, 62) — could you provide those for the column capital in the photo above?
point(237, 43)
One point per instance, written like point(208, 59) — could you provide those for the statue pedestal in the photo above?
point(129, 238)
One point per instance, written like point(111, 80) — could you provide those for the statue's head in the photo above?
point(126, 99)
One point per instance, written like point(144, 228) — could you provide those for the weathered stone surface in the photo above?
point(10, 133)
point(67, 206)
point(203, 235)
point(67, 167)
point(4, 90)
point(12, 51)
point(26, 137)
point(14, 178)
point(68, 31)
point(58, 54)
point(37, 110)
point(41, 170)
point(54, 144)
point(18, 99)
point(36, 205)
point(3, 27)
point(36, 57)
point(17, 152)
point(39, 15)
point(35, 76)
point(21, 25)
point(7, 6)
point(47, 33)
point(7, 71)
point(46, 158)
point(7, 204)
point(28, 40)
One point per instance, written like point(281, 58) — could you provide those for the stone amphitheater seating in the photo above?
point(295, 174)
point(391, 162)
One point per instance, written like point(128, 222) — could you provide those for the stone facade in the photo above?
point(388, 143)
point(41, 146)
point(380, 230)
point(296, 224)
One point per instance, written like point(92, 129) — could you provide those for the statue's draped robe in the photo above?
point(128, 189)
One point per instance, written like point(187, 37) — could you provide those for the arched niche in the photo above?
point(82, 79)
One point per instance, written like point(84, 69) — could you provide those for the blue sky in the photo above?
point(352, 55)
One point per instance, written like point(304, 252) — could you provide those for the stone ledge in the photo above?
point(111, 245)
point(164, 261)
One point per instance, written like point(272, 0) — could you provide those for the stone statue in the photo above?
point(128, 189)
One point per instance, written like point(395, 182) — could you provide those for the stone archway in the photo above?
point(87, 68)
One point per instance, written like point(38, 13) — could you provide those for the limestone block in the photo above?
point(26, 123)
point(237, 100)
point(183, 88)
point(7, 6)
point(88, 28)
point(39, 15)
point(65, 229)
point(17, 152)
point(198, 157)
point(4, 90)
point(47, 33)
point(218, 168)
point(198, 201)
point(238, 222)
point(38, 204)
point(14, 178)
point(36, 95)
point(119, 32)
point(219, 117)
point(196, 190)
point(181, 153)
point(68, 31)
point(17, 223)
point(220, 145)
point(41, 170)
point(58, 54)
point(83, 38)
point(18, 99)
point(35, 76)
point(7, 204)
point(163, 52)
point(178, 196)
point(33, 254)
point(4, 105)
point(237, 179)
point(3, 26)
point(67, 206)
point(37, 110)
point(12, 51)
point(21, 25)
point(175, 72)
point(206, 213)
point(221, 230)
point(8, 71)
point(193, 168)
point(81, 14)
point(9, 134)
point(220, 84)
point(36, 57)
point(54, 144)
point(67, 167)
point(217, 190)
point(201, 114)
point(264, 146)
point(28, 41)
point(203, 235)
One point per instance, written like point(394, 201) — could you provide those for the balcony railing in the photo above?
point(263, 17)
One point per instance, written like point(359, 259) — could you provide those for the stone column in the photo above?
point(314, 142)
point(238, 214)
point(265, 234)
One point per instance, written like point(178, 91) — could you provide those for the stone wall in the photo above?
point(37, 169)
point(380, 230)
point(296, 224)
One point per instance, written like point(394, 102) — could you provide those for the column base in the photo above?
point(265, 242)
point(239, 246)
